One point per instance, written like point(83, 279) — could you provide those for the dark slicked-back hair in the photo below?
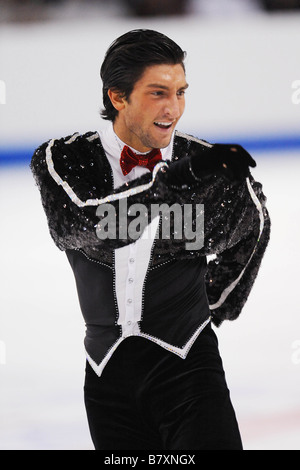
point(127, 58)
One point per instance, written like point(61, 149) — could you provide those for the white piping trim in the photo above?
point(132, 191)
point(98, 368)
point(93, 137)
point(94, 202)
point(230, 288)
point(72, 138)
point(181, 352)
point(194, 139)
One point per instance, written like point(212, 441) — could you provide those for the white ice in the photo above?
point(41, 328)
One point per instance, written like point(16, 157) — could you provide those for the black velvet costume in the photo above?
point(74, 176)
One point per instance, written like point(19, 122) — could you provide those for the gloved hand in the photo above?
point(231, 160)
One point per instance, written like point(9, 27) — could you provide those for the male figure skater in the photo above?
point(154, 376)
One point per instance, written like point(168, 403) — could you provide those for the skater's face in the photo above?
point(147, 119)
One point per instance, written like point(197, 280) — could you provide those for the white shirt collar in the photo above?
point(113, 147)
point(114, 144)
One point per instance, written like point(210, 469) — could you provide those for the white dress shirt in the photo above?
point(131, 262)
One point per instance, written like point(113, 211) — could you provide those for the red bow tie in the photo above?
point(129, 159)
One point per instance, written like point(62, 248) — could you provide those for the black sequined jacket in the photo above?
point(74, 177)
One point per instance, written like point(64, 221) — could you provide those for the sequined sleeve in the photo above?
point(75, 179)
point(67, 183)
point(236, 234)
point(233, 271)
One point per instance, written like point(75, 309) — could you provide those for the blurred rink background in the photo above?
point(243, 67)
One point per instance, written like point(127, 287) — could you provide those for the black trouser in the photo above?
point(149, 398)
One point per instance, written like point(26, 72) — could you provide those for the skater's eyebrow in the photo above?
point(164, 87)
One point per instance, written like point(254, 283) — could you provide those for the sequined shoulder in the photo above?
point(191, 138)
point(78, 162)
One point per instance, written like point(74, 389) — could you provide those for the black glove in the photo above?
point(229, 160)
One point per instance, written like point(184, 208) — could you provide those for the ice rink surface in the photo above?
point(41, 328)
point(41, 381)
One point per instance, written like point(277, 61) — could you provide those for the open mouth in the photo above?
point(163, 125)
